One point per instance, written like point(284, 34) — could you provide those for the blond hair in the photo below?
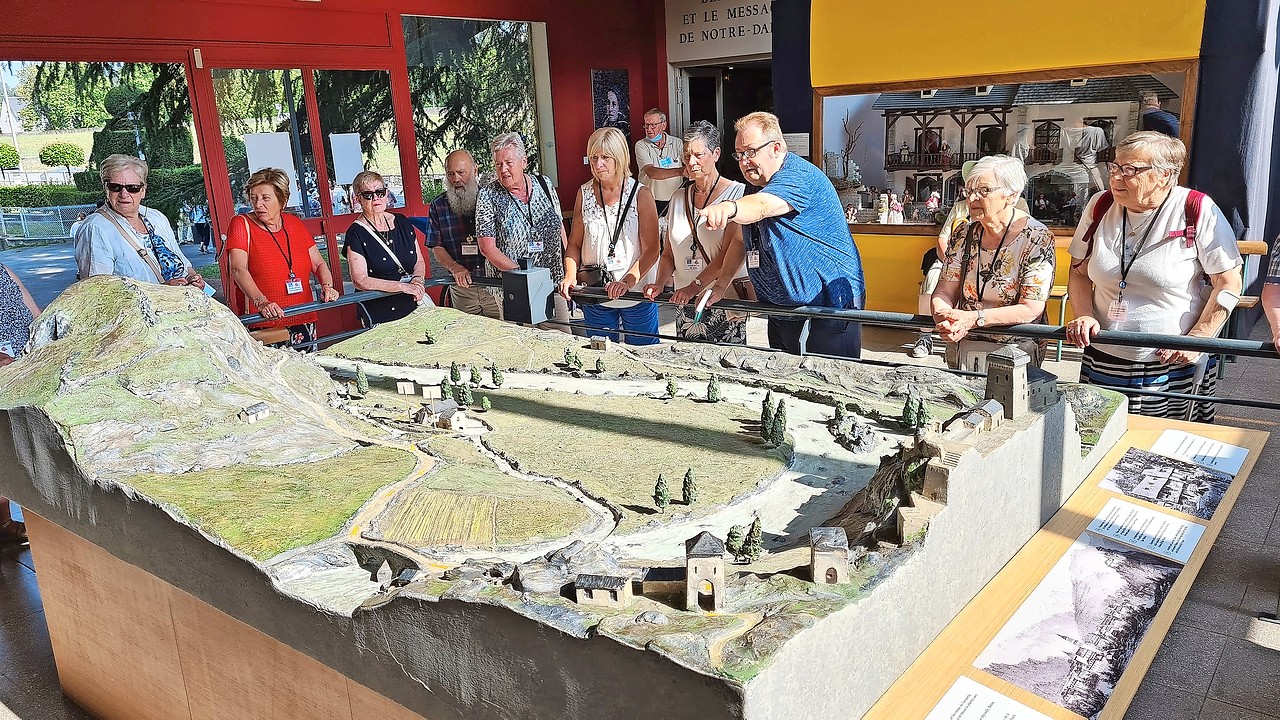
point(611, 143)
point(364, 176)
point(767, 122)
point(1162, 151)
point(113, 164)
point(274, 177)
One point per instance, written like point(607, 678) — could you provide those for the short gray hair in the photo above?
point(1009, 172)
point(1162, 151)
point(706, 132)
point(113, 164)
point(506, 140)
point(655, 111)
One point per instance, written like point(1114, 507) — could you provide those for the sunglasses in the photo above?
point(371, 194)
point(133, 189)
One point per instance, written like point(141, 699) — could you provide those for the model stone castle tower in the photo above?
point(1007, 380)
point(704, 572)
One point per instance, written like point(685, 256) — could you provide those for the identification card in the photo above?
point(753, 259)
point(469, 247)
point(616, 265)
point(1118, 311)
point(293, 287)
point(536, 246)
point(693, 264)
point(7, 349)
point(666, 162)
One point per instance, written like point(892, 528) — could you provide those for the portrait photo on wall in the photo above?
point(610, 99)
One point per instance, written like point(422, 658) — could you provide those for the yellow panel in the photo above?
point(853, 44)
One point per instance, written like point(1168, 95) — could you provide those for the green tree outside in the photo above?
point(64, 154)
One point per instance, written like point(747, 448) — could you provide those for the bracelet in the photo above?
point(734, 214)
point(697, 282)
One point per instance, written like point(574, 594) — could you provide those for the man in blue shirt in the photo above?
point(1154, 117)
point(795, 241)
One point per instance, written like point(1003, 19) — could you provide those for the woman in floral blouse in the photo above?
point(1000, 264)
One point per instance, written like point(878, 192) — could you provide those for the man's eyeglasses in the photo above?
point(133, 188)
point(750, 153)
point(649, 125)
point(1126, 171)
point(977, 192)
point(371, 194)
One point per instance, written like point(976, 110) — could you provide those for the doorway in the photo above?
point(720, 94)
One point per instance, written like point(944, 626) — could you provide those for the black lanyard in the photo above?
point(982, 281)
point(694, 210)
point(1124, 234)
point(616, 231)
point(528, 192)
point(288, 256)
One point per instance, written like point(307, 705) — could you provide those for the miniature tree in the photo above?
point(661, 495)
point(923, 415)
point(753, 548)
point(766, 417)
point(455, 373)
point(485, 405)
point(429, 338)
point(733, 543)
point(671, 387)
point(362, 380)
point(568, 356)
point(475, 376)
point(780, 419)
point(599, 365)
point(577, 362)
point(446, 388)
point(840, 413)
point(495, 375)
point(910, 409)
point(465, 397)
point(690, 489)
point(713, 389)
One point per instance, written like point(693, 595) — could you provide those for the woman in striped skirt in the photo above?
point(1142, 253)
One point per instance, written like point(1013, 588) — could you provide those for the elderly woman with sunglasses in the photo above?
point(124, 238)
point(272, 256)
point(999, 266)
point(382, 252)
point(1140, 255)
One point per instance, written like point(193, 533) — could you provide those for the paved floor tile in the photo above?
point(1187, 658)
point(1217, 710)
point(1155, 701)
point(1248, 676)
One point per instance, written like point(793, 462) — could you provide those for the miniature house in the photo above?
point(1042, 389)
point(444, 414)
point(599, 342)
point(704, 573)
point(253, 413)
point(1007, 381)
point(914, 519)
point(606, 590)
point(993, 413)
point(829, 555)
point(406, 387)
point(937, 474)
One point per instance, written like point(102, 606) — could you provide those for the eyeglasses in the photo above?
point(1126, 171)
point(649, 125)
point(750, 153)
point(978, 192)
point(371, 194)
point(133, 188)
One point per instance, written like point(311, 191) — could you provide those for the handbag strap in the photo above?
point(381, 241)
point(622, 216)
point(148, 256)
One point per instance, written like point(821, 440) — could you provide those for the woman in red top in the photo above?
point(272, 254)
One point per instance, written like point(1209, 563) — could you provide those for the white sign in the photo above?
point(971, 700)
point(797, 143)
point(273, 150)
point(716, 29)
point(1203, 451)
point(1146, 528)
point(348, 160)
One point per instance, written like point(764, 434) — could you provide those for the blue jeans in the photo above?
point(600, 321)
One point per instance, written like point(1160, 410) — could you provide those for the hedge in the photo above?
point(36, 196)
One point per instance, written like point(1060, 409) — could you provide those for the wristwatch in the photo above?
point(697, 282)
point(982, 319)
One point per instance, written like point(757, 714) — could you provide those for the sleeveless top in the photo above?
point(15, 317)
point(598, 225)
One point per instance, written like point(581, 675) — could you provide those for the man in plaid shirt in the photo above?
point(450, 230)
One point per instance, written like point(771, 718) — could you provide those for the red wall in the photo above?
point(581, 35)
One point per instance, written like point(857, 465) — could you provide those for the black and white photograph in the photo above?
point(610, 100)
point(1074, 635)
point(1168, 482)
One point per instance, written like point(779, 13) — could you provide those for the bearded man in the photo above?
point(450, 229)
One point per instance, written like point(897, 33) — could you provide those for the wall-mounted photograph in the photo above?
point(610, 99)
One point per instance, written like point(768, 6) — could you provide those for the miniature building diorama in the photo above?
point(914, 519)
point(704, 573)
point(253, 413)
point(1007, 381)
point(444, 414)
point(606, 590)
point(599, 342)
point(829, 555)
point(406, 387)
point(1042, 388)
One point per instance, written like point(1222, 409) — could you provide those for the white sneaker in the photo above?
point(923, 347)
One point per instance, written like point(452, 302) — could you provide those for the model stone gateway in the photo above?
point(437, 561)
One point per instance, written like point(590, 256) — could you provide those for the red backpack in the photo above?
point(1191, 210)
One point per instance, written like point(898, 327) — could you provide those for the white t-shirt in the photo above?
point(680, 235)
point(1165, 287)
point(670, 155)
point(598, 225)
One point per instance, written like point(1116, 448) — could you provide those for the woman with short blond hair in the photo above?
point(272, 257)
point(614, 243)
point(382, 252)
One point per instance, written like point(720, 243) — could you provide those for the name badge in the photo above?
point(469, 247)
point(293, 286)
point(7, 349)
point(753, 259)
point(616, 266)
point(693, 263)
point(1118, 311)
point(536, 246)
point(666, 163)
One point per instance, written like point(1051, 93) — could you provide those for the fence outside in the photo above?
point(45, 224)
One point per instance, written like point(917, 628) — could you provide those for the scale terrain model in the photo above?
point(500, 522)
